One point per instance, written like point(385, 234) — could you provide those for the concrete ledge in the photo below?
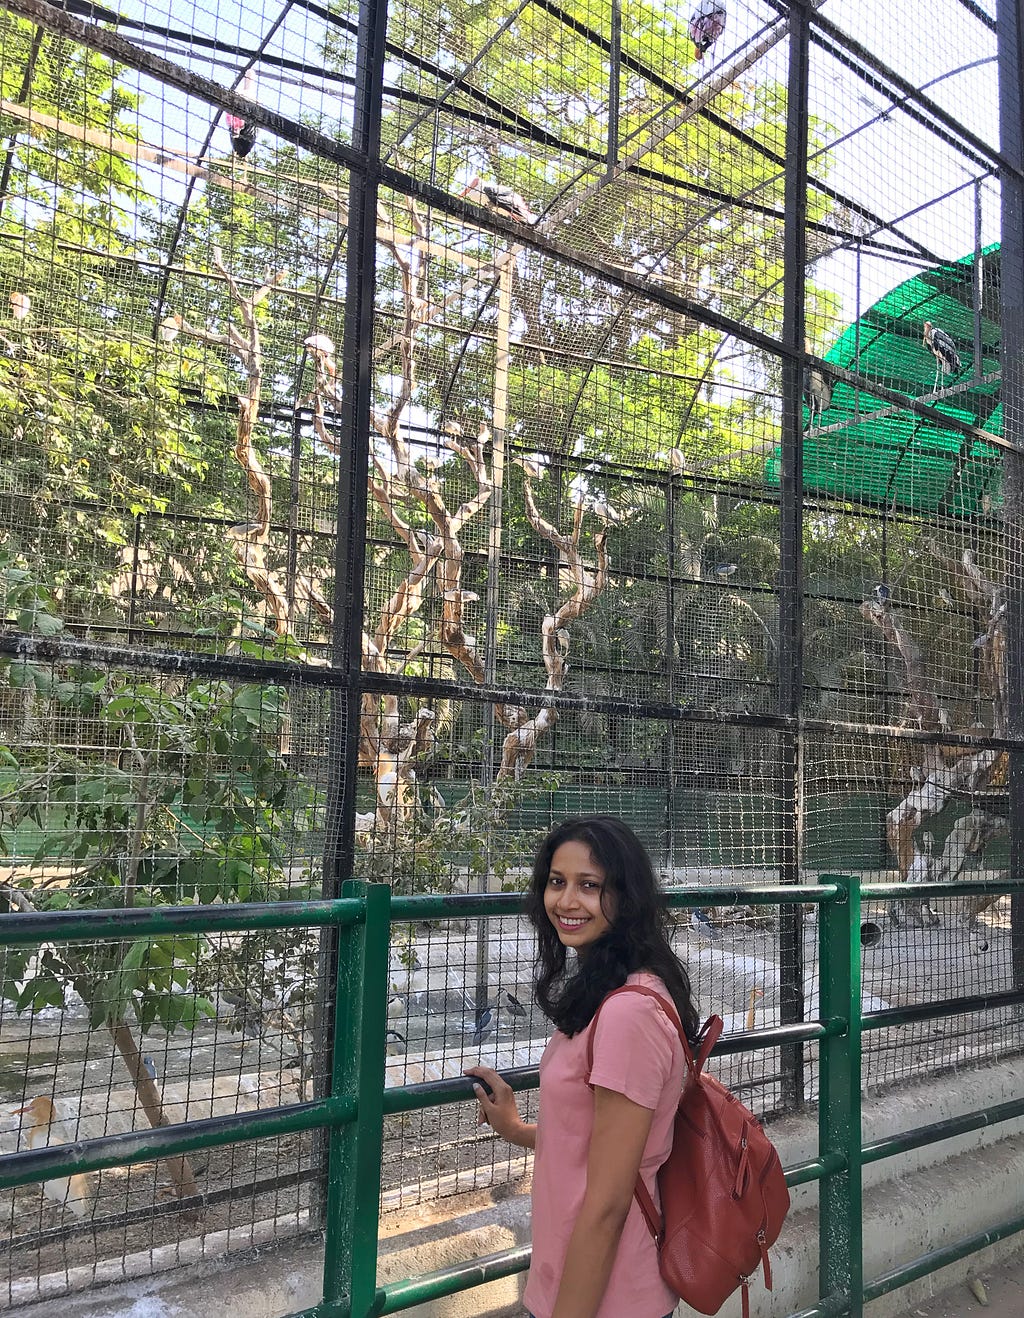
point(917, 1202)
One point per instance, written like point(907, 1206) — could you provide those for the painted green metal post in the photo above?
point(839, 1120)
point(354, 1150)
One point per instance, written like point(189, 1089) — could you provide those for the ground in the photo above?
point(1004, 1287)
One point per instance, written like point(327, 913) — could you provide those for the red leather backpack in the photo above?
point(723, 1193)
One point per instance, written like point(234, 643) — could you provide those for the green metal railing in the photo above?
point(352, 1114)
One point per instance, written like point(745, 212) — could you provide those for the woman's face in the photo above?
point(572, 896)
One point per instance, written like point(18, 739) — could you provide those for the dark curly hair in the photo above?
point(637, 939)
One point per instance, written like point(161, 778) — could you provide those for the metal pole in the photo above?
point(1010, 30)
point(840, 1266)
point(350, 544)
point(614, 78)
point(977, 291)
point(791, 546)
point(499, 428)
point(671, 488)
point(353, 1186)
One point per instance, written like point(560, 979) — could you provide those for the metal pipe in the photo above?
point(921, 1136)
point(791, 533)
point(940, 1258)
point(23, 929)
point(839, 1102)
point(162, 1142)
point(1010, 38)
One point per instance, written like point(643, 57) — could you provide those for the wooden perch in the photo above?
point(520, 745)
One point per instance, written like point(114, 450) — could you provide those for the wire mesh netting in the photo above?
point(586, 453)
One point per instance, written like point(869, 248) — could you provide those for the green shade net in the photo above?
point(899, 459)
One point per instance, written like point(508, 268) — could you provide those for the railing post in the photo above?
point(357, 1072)
point(841, 1263)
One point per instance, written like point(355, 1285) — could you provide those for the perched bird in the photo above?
point(817, 395)
point(242, 134)
point(707, 23)
point(701, 925)
point(675, 457)
point(943, 349)
point(77, 1192)
point(534, 466)
point(724, 570)
point(501, 198)
point(21, 305)
point(515, 1007)
point(149, 1066)
point(322, 348)
point(882, 593)
point(604, 510)
point(946, 598)
point(169, 328)
point(241, 131)
point(244, 530)
point(484, 1025)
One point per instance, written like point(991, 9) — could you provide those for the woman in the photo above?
point(594, 892)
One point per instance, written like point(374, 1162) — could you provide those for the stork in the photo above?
point(77, 1191)
point(707, 23)
point(943, 349)
point(500, 198)
point(817, 395)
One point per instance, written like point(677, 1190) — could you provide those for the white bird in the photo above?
point(600, 508)
point(169, 328)
point(321, 346)
point(707, 23)
point(675, 457)
point(77, 1192)
point(501, 198)
point(21, 305)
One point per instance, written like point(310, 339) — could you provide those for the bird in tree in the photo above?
point(169, 328)
point(21, 305)
point(943, 349)
point(321, 347)
point(241, 131)
point(500, 198)
point(817, 395)
point(882, 593)
point(707, 23)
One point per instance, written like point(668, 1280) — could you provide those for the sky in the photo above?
point(884, 160)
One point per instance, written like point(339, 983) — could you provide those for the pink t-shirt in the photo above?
point(637, 1053)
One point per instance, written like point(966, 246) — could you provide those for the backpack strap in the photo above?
point(706, 1040)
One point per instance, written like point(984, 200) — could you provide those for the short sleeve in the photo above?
point(634, 1047)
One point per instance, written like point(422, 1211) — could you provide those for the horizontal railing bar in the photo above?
point(462, 905)
point(455, 1089)
point(404, 1294)
point(931, 1011)
point(815, 1169)
point(898, 892)
point(940, 1258)
point(834, 1306)
point(28, 927)
point(459, 1089)
point(920, 1136)
point(161, 1142)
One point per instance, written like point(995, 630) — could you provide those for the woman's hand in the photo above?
point(498, 1108)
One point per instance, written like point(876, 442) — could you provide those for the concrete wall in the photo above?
point(913, 1204)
